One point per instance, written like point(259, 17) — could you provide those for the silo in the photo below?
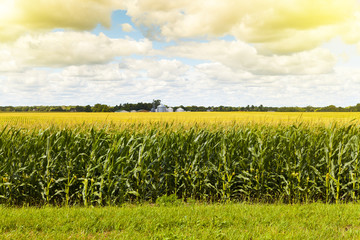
point(161, 108)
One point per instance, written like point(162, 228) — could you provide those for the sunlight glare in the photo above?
point(6, 8)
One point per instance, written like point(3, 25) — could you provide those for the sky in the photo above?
point(188, 52)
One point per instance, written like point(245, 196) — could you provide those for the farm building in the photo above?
point(161, 108)
point(180, 110)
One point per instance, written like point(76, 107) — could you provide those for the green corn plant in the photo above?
point(103, 165)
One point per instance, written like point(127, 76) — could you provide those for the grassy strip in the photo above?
point(230, 221)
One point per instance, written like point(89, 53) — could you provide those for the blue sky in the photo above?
point(234, 53)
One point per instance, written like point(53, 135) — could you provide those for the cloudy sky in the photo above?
point(189, 52)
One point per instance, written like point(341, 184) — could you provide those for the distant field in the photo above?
point(69, 119)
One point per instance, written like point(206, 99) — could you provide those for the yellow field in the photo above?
point(70, 119)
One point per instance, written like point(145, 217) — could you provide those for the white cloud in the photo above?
point(279, 26)
point(127, 27)
point(275, 59)
point(19, 17)
point(157, 69)
point(175, 83)
point(241, 56)
point(58, 49)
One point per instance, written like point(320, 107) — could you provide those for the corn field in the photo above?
point(294, 163)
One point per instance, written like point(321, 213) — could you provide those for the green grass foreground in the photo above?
point(193, 221)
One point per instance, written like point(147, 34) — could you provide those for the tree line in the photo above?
point(148, 106)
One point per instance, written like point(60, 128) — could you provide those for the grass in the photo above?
point(185, 221)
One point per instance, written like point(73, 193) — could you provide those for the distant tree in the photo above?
point(56, 109)
point(309, 109)
point(156, 103)
point(87, 108)
point(330, 108)
point(101, 108)
point(106, 108)
point(80, 109)
point(357, 107)
point(261, 108)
